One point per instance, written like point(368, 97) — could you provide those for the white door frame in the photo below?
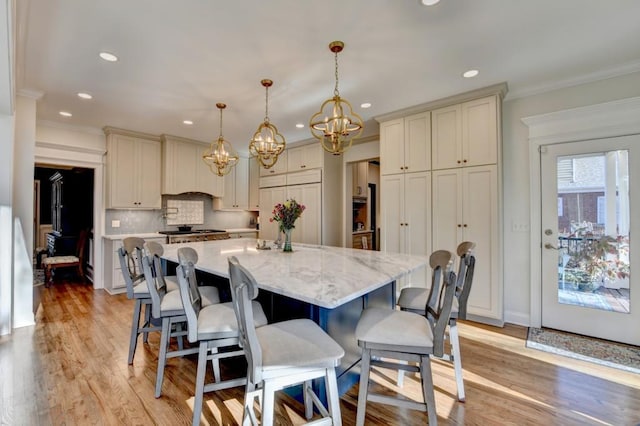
point(610, 119)
point(91, 159)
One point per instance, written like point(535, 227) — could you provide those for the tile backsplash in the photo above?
point(185, 212)
point(146, 221)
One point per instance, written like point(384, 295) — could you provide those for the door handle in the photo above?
point(550, 246)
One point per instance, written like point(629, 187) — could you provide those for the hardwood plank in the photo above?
point(71, 368)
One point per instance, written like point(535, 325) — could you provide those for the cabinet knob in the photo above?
point(464, 161)
point(459, 161)
point(459, 226)
point(465, 225)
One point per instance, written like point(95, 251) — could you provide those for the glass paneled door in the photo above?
point(588, 197)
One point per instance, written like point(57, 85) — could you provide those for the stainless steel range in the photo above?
point(193, 235)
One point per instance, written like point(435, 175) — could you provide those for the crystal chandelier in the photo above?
point(336, 125)
point(267, 143)
point(220, 156)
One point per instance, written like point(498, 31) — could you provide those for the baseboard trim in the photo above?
point(518, 318)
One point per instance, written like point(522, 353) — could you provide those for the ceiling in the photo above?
point(178, 58)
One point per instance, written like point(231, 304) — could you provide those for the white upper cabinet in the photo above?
point(405, 144)
point(254, 184)
point(304, 157)
point(133, 172)
point(236, 188)
point(465, 134)
point(277, 169)
point(184, 171)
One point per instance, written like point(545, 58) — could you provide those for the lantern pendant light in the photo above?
point(336, 126)
point(267, 143)
point(220, 156)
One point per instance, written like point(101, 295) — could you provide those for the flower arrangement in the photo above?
point(286, 213)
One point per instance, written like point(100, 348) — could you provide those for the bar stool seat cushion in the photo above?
point(415, 299)
point(172, 302)
point(405, 331)
point(297, 343)
point(219, 320)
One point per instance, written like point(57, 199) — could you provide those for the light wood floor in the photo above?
point(71, 368)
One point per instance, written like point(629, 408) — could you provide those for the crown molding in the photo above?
point(165, 137)
point(108, 130)
point(609, 119)
point(499, 89)
point(71, 127)
point(524, 92)
point(82, 149)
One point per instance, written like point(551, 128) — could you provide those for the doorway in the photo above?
point(587, 198)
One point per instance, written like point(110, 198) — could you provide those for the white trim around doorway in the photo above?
point(610, 119)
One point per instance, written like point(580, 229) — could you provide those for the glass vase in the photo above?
point(287, 240)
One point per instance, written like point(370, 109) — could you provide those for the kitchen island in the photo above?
point(330, 285)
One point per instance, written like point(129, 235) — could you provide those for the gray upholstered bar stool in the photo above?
point(166, 304)
point(283, 354)
point(214, 326)
point(414, 299)
point(407, 337)
point(137, 290)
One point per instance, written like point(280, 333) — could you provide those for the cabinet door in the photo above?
point(480, 214)
point(360, 173)
point(447, 210)
point(149, 161)
point(295, 159)
point(446, 141)
point(185, 171)
point(479, 132)
point(312, 156)
point(269, 197)
point(254, 184)
point(242, 184)
point(417, 218)
point(308, 227)
point(279, 168)
point(392, 237)
point(392, 147)
point(417, 143)
point(123, 172)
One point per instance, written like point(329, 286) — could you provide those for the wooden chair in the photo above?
point(213, 326)
point(281, 355)
point(407, 336)
point(166, 305)
point(414, 299)
point(52, 263)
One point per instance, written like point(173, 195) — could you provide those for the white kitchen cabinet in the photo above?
point(184, 171)
point(269, 197)
point(465, 135)
point(308, 227)
point(466, 208)
point(405, 144)
point(405, 210)
point(133, 168)
point(304, 157)
point(254, 184)
point(236, 188)
point(277, 169)
point(360, 175)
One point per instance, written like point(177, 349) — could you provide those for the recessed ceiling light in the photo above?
point(65, 114)
point(108, 56)
point(470, 73)
point(430, 2)
point(300, 125)
point(365, 105)
point(188, 122)
point(84, 95)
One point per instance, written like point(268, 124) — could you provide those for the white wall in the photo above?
point(516, 176)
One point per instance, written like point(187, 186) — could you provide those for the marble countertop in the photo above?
point(240, 230)
point(320, 275)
